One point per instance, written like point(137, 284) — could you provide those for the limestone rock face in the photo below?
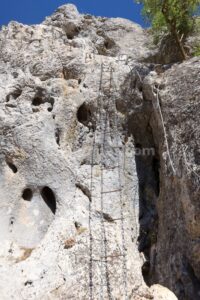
point(176, 253)
point(99, 164)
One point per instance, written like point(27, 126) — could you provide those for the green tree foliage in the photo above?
point(173, 16)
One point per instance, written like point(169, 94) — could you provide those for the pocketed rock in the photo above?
point(99, 183)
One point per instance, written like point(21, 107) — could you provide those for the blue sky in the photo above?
point(34, 11)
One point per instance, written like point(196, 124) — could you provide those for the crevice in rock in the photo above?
point(148, 175)
point(11, 105)
point(11, 166)
point(49, 198)
point(148, 135)
point(156, 167)
point(57, 136)
point(85, 190)
point(147, 167)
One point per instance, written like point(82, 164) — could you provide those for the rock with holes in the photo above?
point(67, 18)
point(85, 208)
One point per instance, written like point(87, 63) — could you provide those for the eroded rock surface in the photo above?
point(94, 200)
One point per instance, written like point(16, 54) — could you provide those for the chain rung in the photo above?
point(113, 191)
point(115, 219)
point(108, 256)
point(109, 132)
point(96, 240)
point(110, 168)
point(119, 219)
point(117, 255)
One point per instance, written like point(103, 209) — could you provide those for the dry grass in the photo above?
point(25, 255)
point(69, 243)
point(81, 230)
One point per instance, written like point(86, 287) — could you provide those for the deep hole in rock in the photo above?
point(49, 198)
point(12, 166)
point(140, 88)
point(72, 31)
point(27, 194)
point(84, 114)
point(41, 98)
point(109, 44)
point(37, 101)
point(70, 36)
point(70, 73)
